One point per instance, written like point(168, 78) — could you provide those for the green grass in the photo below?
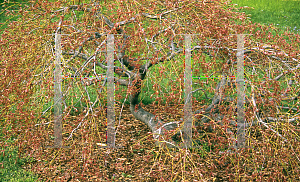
point(11, 165)
point(282, 14)
point(12, 5)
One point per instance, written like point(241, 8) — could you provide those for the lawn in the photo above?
point(281, 13)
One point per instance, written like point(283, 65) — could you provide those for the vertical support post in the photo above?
point(188, 94)
point(57, 95)
point(110, 93)
point(241, 125)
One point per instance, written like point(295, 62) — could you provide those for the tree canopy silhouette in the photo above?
point(148, 35)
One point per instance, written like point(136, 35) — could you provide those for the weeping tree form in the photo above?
point(152, 28)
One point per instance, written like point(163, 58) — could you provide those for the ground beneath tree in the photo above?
point(138, 160)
